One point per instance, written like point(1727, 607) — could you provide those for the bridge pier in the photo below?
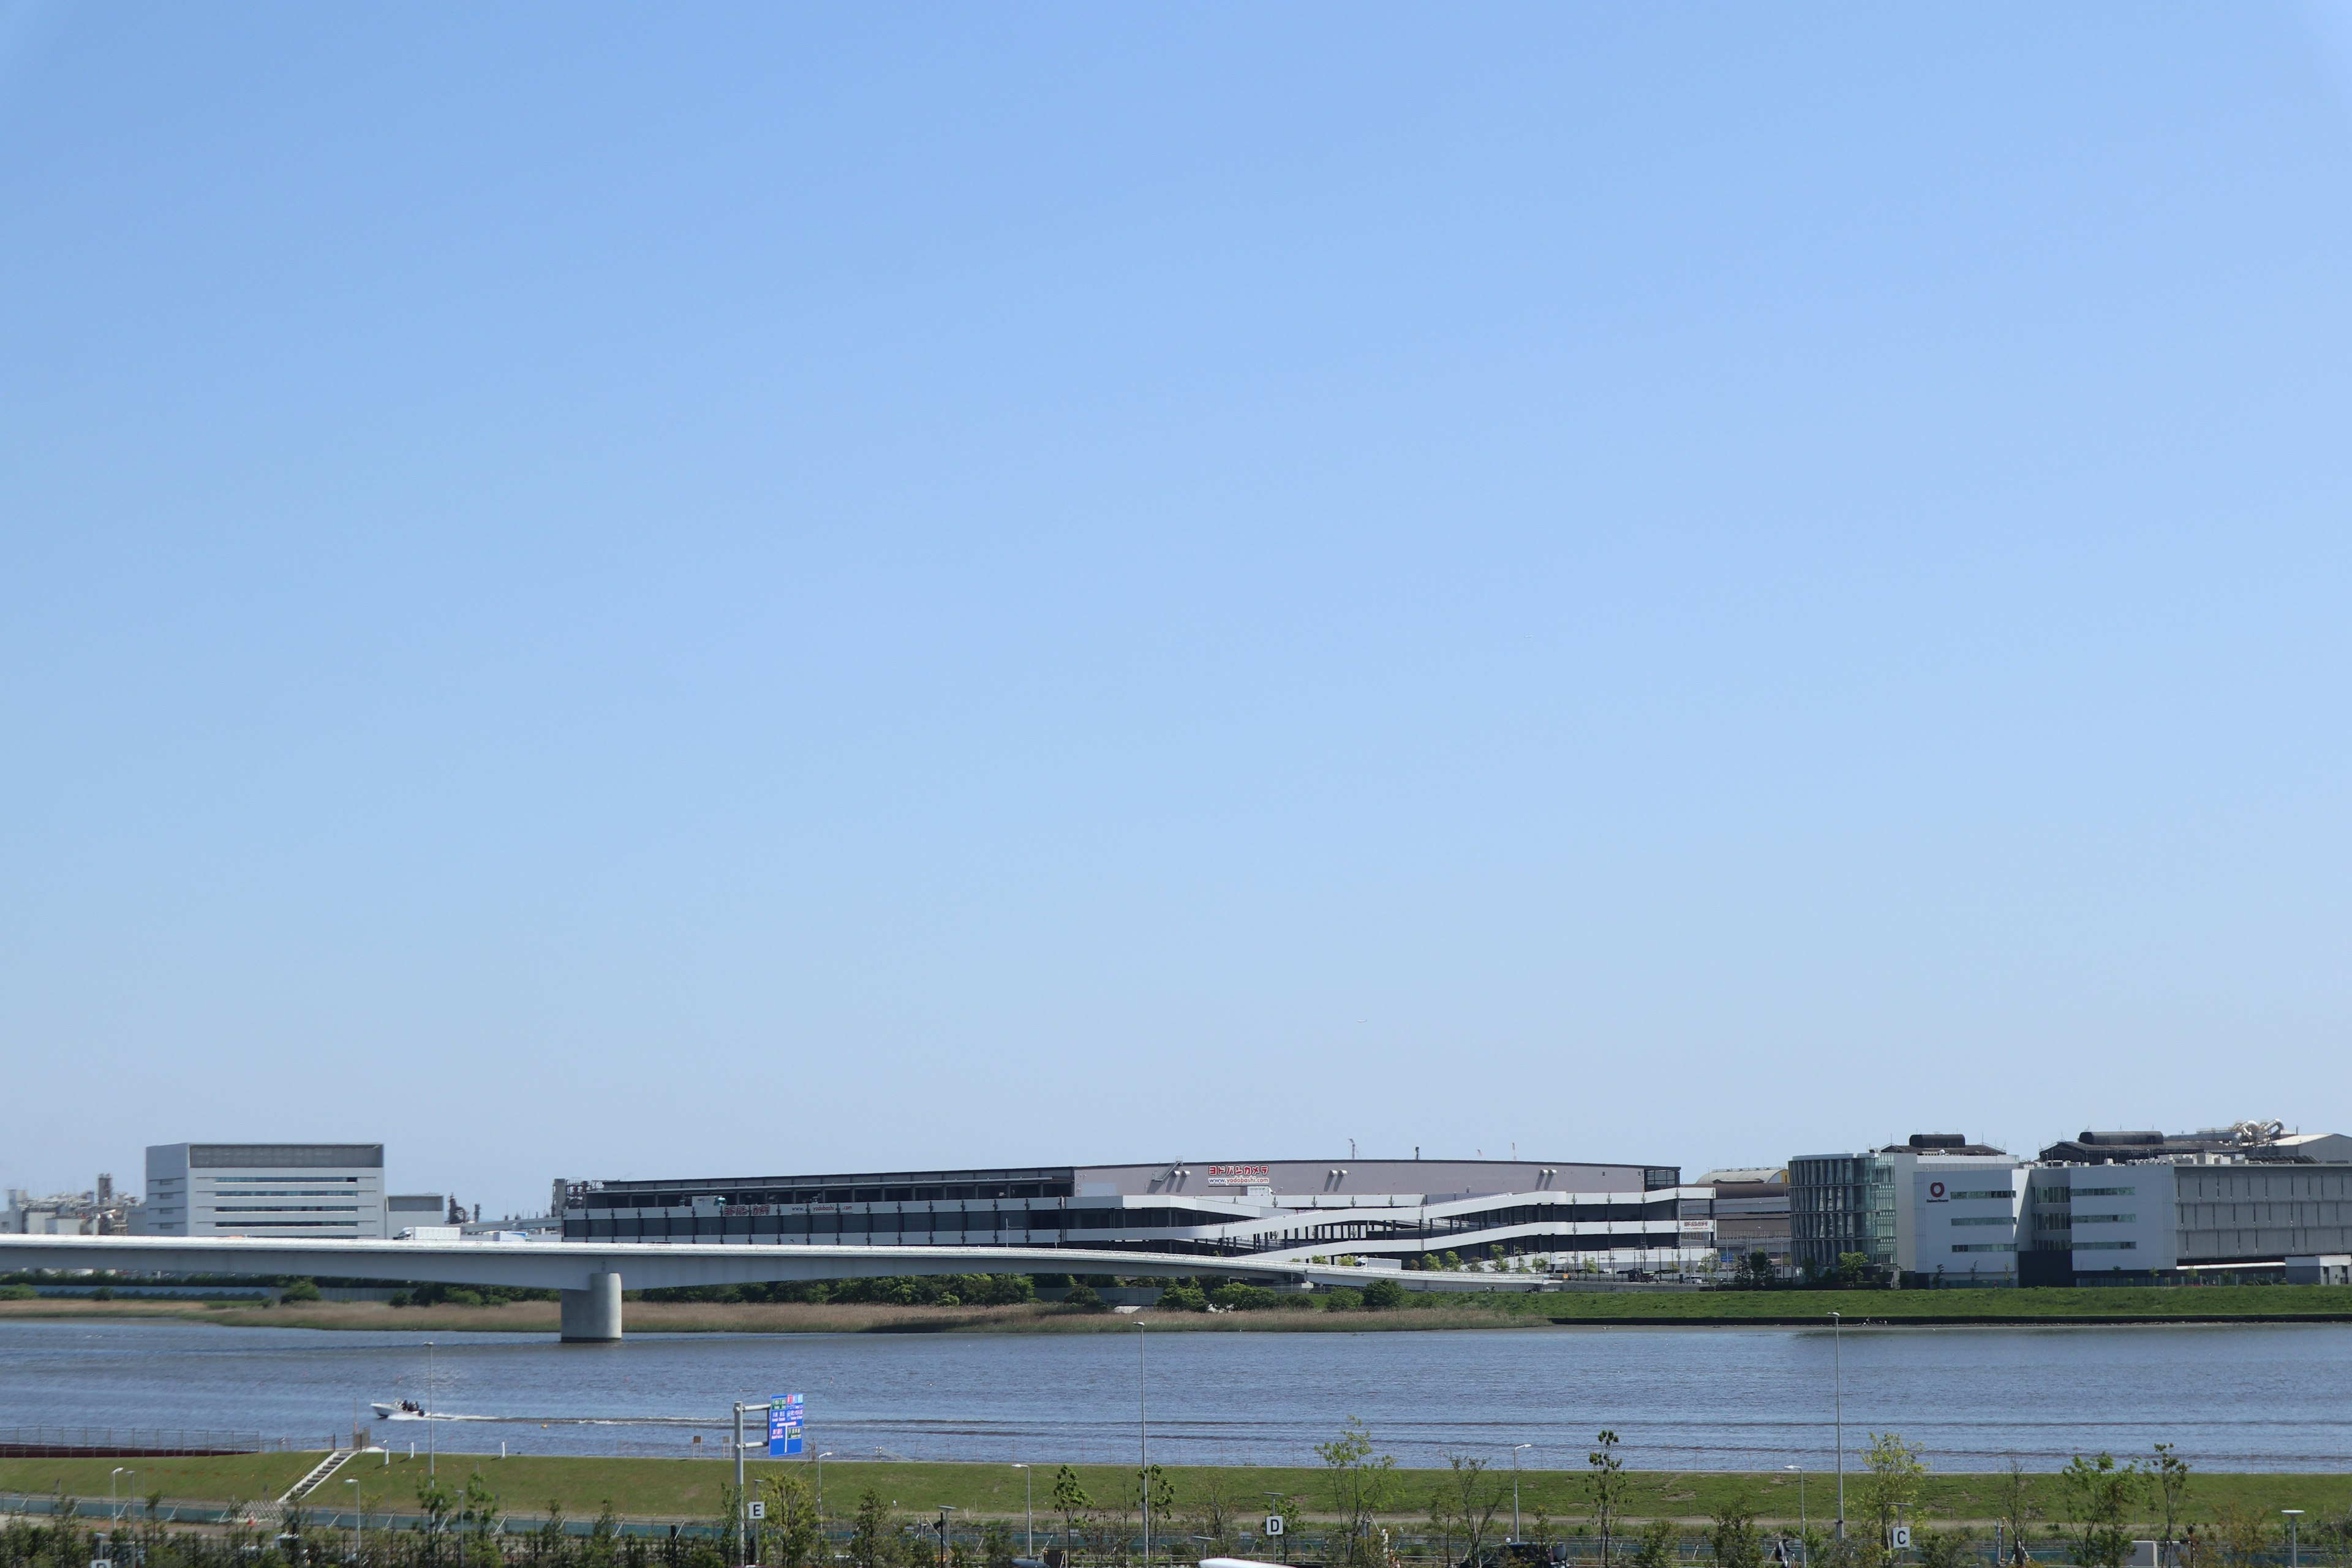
point(594, 1316)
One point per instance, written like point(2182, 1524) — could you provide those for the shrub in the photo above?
point(1342, 1299)
point(1184, 1295)
point(1384, 1296)
point(18, 1292)
point(1082, 1296)
point(300, 1291)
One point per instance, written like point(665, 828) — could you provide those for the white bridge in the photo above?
point(588, 1274)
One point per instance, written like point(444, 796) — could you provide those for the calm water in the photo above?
point(2254, 1397)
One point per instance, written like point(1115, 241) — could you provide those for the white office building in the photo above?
point(301, 1190)
point(2247, 1201)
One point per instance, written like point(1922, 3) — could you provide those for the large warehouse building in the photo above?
point(1565, 1215)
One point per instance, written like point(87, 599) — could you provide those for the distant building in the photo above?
point(1412, 1212)
point(101, 1211)
point(304, 1190)
point(2250, 1201)
point(1749, 1210)
point(2261, 1141)
point(1900, 1207)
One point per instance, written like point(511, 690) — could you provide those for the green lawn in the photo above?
point(243, 1476)
point(686, 1489)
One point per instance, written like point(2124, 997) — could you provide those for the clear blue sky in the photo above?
point(603, 590)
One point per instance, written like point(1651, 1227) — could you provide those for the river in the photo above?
point(2251, 1397)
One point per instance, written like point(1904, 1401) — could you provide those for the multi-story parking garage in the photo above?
point(1408, 1211)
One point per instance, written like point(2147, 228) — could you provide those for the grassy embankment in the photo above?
point(1727, 1308)
point(688, 1489)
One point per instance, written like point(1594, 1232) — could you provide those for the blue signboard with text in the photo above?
point(784, 1427)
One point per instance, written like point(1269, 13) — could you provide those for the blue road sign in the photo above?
point(784, 1427)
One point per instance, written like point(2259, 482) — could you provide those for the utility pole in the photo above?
point(1837, 1350)
point(1515, 1487)
point(1143, 1446)
point(945, 1509)
point(1028, 1507)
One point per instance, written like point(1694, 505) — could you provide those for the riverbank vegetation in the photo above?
point(1887, 1481)
point(1010, 1303)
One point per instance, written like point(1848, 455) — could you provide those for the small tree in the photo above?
point(483, 1523)
point(1361, 1484)
point(1952, 1548)
point(1889, 1486)
point(794, 1535)
point(873, 1531)
point(2167, 1477)
point(2241, 1532)
point(1216, 1515)
point(1605, 1481)
point(1071, 1501)
point(2015, 1509)
point(2333, 1535)
point(1474, 1496)
point(1660, 1545)
point(1733, 1537)
point(1156, 1496)
point(1441, 1522)
point(604, 1538)
point(2098, 1510)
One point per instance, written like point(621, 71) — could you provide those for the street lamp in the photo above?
point(1029, 1506)
point(821, 1458)
point(114, 1509)
point(1515, 1487)
point(1801, 1526)
point(359, 1519)
point(1837, 1350)
point(2293, 1515)
point(432, 1447)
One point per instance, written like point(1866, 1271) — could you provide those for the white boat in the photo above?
point(398, 1410)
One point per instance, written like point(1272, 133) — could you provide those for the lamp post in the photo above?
point(2293, 1558)
point(821, 1458)
point(1802, 1525)
point(1837, 1350)
point(113, 1508)
point(359, 1519)
point(1515, 1487)
point(1143, 1446)
point(432, 1447)
point(1028, 1507)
